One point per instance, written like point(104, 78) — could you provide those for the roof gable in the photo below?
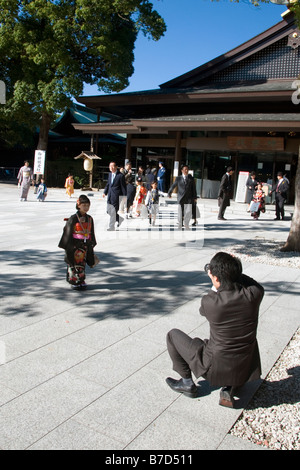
point(270, 55)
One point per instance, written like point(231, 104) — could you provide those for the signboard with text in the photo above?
point(256, 143)
point(39, 162)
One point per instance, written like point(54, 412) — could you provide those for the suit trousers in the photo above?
point(279, 204)
point(181, 350)
point(184, 213)
point(224, 202)
point(112, 211)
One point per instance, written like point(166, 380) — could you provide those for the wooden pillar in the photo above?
point(178, 155)
point(128, 147)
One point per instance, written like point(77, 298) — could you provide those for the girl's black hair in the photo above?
point(82, 200)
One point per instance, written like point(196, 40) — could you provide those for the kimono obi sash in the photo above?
point(82, 230)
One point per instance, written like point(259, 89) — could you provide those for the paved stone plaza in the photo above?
point(86, 370)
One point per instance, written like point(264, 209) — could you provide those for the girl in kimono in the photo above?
point(25, 176)
point(69, 185)
point(78, 241)
point(139, 198)
point(41, 191)
point(258, 197)
point(152, 202)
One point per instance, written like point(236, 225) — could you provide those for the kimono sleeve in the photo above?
point(66, 238)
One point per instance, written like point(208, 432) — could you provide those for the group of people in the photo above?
point(25, 180)
point(255, 196)
point(128, 196)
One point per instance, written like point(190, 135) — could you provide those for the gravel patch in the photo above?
point(272, 418)
point(260, 250)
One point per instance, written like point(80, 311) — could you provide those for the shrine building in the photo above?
point(240, 109)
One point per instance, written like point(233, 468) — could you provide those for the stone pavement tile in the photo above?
point(119, 361)
point(31, 416)
point(184, 318)
point(32, 369)
point(43, 332)
point(6, 394)
point(187, 424)
point(72, 435)
point(270, 346)
point(103, 334)
point(279, 321)
point(127, 409)
point(176, 430)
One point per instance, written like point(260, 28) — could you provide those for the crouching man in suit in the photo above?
point(230, 357)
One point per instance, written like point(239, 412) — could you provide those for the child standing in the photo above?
point(69, 185)
point(41, 191)
point(152, 202)
point(78, 241)
point(139, 198)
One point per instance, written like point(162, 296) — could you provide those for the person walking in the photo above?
point(225, 192)
point(186, 196)
point(230, 357)
point(115, 190)
point(25, 178)
point(251, 185)
point(152, 203)
point(69, 185)
point(161, 178)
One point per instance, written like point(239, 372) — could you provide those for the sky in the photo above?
point(197, 32)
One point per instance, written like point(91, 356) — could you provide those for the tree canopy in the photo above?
point(50, 48)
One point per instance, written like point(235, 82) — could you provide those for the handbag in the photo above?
point(254, 206)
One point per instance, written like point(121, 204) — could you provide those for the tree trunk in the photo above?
point(44, 131)
point(43, 137)
point(293, 241)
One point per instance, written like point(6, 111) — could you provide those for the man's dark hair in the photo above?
point(227, 268)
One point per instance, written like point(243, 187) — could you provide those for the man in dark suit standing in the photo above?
point(186, 196)
point(225, 192)
point(114, 190)
point(230, 357)
point(280, 190)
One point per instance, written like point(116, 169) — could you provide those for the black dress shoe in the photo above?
point(226, 397)
point(178, 386)
point(221, 218)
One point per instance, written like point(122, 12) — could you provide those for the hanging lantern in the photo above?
point(88, 164)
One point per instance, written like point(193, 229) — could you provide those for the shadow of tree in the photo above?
point(277, 392)
point(36, 280)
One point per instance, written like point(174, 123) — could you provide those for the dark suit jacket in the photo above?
point(186, 192)
point(225, 186)
point(116, 189)
point(281, 191)
point(230, 356)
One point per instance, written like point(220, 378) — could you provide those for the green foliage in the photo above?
point(50, 48)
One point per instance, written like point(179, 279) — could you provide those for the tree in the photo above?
point(50, 48)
